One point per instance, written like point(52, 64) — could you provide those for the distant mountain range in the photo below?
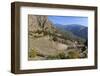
point(76, 29)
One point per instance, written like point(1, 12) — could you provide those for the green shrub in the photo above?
point(54, 39)
point(61, 55)
point(73, 54)
point(58, 56)
point(50, 57)
point(85, 53)
point(32, 53)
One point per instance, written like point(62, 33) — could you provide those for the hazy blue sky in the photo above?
point(66, 20)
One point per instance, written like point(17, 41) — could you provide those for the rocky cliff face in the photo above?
point(40, 23)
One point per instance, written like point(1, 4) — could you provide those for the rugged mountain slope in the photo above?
point(78, 30)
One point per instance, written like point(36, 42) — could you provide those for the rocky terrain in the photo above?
point(45, 41)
